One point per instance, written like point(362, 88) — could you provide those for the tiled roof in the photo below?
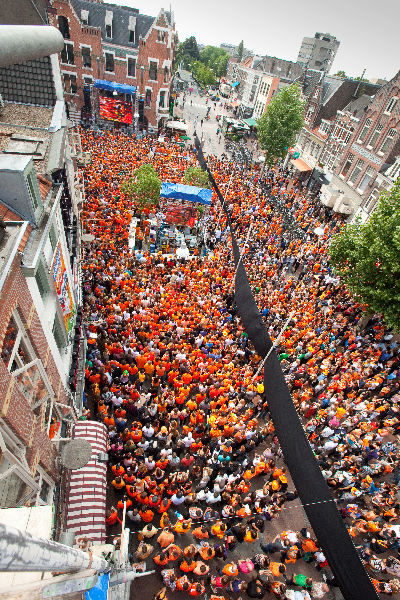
point(30, 82)
point(120, 32)
point(8, 215)
point(44, 186)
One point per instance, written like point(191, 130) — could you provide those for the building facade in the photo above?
point(318, 52)
point(267, 89)
point(111, 43)
point(369, 163)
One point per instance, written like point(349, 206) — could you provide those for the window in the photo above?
point(388, 141)
point(166, 73)
point(365, 129)
point(347, 164)
point(356, 171)
point(131, 67)
point(67, 54)
point(86, 57)
point(41, 281)
point(63, 26)
point(109, 62)
point(31, 186)
point(161, 103)
point(58, 333)
point(131, 36)
point(109, 31)
point(370, 203)
point(375, 136)
point(161, 36)
point(85, 17)
point(87, 81)
point(391, 105)
point(153, 70)
point(70, 83)
point(309, 113)
point(148, 98)
point(368, 175)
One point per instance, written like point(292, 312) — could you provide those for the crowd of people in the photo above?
point(172, 374)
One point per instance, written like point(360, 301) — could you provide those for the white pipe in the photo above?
point(19, 43)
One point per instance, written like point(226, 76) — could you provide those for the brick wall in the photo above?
point(14, 408)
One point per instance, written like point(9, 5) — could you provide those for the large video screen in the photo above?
point(115, 110)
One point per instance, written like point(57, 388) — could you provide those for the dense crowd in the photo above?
point(172, 374)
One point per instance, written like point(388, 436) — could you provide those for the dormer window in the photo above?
point(85, 17)
point(131, 29)
point(108, 24)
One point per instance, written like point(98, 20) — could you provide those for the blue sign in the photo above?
point(100, 590)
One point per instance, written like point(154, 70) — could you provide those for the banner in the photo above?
point(113, 109)
point(63, 289)
point(177, 214)
point(314, 493)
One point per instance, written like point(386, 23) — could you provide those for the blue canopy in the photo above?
point(178, 191)
point(112, 86)
point(235, 83)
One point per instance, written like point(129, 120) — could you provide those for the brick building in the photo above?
point(112, 43)
point(269, 86)
point(369, 163)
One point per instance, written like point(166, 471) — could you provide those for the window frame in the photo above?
point(67, 77)
point(153, 62)
point(364, 130)
point(85, 47)
point(134, 59)
point(387, 141)
point(109, 53)
point(108, 25)
point(391, 105)
point(375, 136)
point(355, 172)
point(67, 55)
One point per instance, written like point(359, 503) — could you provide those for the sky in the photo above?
point(367, 29)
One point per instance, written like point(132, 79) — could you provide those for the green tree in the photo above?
point(341, 74)
point(278, 126)
point(240, 51)
point(203, 74)
point(367, 258)
point(143, 187)
point(196, 176)
point(187, 52)
point(216, 59)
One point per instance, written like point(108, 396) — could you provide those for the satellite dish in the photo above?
point(76, 454)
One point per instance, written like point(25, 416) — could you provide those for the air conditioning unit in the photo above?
point(19, 187)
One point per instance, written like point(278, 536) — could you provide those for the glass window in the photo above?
point(41, 280)
point(388, 141)
point(109, 31)
point(375, 136)
point(166, 73)
point(131, 67)
point(10, 339)
point(12, 487)
point(86, 57)
point(347, 164)
point(365, 129)
point(63, 26)
point(356, 171)
point(148, 98)
point(392, 104)
point(109, 62)
point(67, 54)
point(57, 333)
point(369, 174)
point(161, 104)
point(70, 83)
point(131, 36)
point(153, 70)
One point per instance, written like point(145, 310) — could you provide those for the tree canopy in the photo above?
point(341, 74)
point(187, 52)
point(240, 51)
point(278, 126)
point(203, 74)
point(143, 187)
point(367, 258)
point(196, 176)
point(216, 59)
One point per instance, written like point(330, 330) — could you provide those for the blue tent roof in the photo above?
point(235, 83)
point(178, 191)
point(112, 86)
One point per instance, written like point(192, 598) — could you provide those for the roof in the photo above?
point(357, 107)
point(300, 165)
point(120, 31)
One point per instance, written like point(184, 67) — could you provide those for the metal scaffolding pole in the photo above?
point(20, 551)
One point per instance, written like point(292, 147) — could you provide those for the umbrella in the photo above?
point(185, 137)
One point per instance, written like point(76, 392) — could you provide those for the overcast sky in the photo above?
point(368, 30)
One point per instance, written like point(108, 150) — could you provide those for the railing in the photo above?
point(91, 30)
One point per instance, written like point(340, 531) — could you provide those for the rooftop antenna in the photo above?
point(359, 83)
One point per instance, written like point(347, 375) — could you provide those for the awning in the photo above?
point(301, 165)
point(191, 193)
point(177, 125)
point(250, 122)
point(113, 86)
point(235, 83)
point(234, 104)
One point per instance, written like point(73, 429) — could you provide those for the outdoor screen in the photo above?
point(115, 110)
